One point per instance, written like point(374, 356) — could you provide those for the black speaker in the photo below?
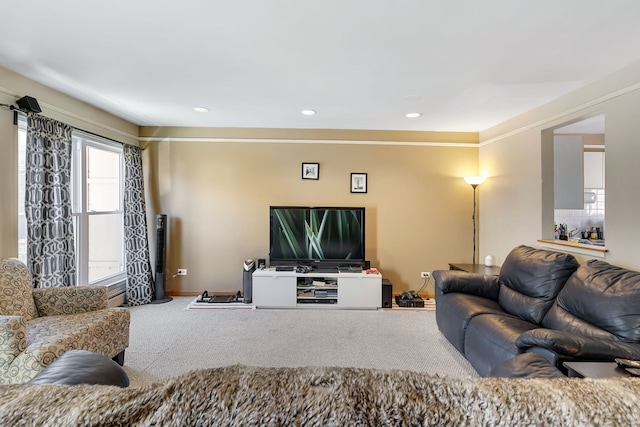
point(387, 293)
point(159, 296)
point(29, 104)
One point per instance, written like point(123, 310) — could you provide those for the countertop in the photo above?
point(582, 246)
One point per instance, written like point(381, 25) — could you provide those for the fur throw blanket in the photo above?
point(246, 396)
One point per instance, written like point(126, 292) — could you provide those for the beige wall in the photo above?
point(9, 187)
point(511, 156)
point(216, 184)
point(217, 193)
point(217, 196)
point(54, 105)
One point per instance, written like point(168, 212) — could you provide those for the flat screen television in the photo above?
point(316, 236)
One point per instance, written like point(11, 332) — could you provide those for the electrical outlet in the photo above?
point(182, 272)
point(425, 274)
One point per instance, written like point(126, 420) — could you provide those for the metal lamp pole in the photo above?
point(473, 217)
point(474, 181)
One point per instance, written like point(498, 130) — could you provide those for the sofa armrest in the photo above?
point(13, 338)
point(577, 346)
point(447, 281)
point(69, 300)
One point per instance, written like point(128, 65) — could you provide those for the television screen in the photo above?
point(331, 235)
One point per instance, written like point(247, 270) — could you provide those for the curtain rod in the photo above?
point(106, 137)
point(15, 112)
point(15, 122)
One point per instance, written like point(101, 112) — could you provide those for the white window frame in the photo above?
point(22, 127)
point(82, 140)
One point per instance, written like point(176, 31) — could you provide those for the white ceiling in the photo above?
point(466, 65)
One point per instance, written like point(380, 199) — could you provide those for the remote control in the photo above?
point(627, 363)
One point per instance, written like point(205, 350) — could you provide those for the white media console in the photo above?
point(289, 289)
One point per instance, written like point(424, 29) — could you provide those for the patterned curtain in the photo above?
point(139, 275)
point(50, 242)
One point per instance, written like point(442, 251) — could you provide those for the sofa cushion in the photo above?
point(16, 297)
point(454, 312)
point(491, 339)
point(600, 300)
point(530, 280)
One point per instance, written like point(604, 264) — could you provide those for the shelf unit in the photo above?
point(316, 290)
point(288, 289)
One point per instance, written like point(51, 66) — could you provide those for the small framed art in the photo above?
point(358, 182)
point(310, 170)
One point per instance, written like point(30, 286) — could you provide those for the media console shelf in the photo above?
point(288, 289)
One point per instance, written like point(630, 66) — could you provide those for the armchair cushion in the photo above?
point(46, 338)
point(13, 339)
point(16, 297)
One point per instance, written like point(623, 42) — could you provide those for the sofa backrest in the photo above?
point(530, 280)
point(600, 300)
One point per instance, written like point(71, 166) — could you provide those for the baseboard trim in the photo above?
point(423, 295)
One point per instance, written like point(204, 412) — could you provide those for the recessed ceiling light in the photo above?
point(201, 109)
point(413, 115)
point(308, 112)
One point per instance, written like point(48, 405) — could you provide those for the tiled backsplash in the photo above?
point(591, 216)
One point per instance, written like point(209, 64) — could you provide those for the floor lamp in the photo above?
point(474, 181)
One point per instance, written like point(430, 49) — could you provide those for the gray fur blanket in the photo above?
point(245, 396)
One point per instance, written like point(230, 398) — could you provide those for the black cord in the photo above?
point(426, 280)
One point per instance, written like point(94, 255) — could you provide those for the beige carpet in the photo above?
point(168, 340)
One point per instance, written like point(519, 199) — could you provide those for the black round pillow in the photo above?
point(82, 367)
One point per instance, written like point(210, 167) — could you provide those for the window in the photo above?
point(97, 189)
point(97, 177)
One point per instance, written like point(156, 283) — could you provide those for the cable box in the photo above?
point(415, 302)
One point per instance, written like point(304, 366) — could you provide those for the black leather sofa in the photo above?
point(543, 302)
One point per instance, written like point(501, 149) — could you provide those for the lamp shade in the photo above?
point(474, 180)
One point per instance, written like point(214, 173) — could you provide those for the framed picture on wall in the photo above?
point(358, 182)
point(310, 170)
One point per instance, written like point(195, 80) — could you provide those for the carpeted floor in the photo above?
point(167, 340)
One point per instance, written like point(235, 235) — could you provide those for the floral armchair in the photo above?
point(39, 325)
